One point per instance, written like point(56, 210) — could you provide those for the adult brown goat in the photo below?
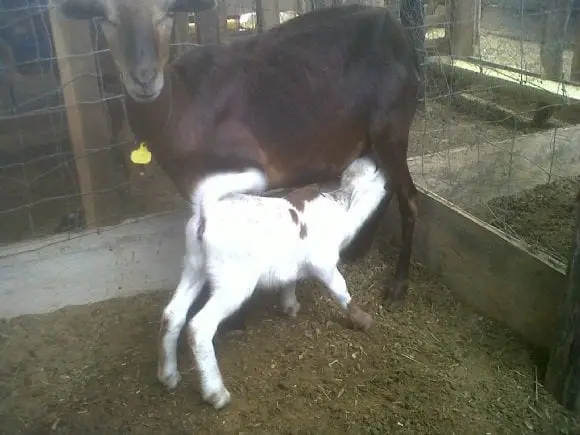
point(300, 101)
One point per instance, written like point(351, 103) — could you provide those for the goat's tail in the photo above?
point(214, 187)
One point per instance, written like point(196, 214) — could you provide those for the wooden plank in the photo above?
point(552, 46)
point(267, 14)
point(530, 85)
point(439, 20)
point(411, 14)
point(491, 111)
point(563, 371)
point(464, 29)
point(437, 47)
point(206, 26)
point(181, 39)
point(87, 119)
point(494, 274)
point(575, 68)
point(222, 13)
point(556, 15)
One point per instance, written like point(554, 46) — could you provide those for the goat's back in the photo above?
point(349, 48)
point(251, 225)
point(309, 86)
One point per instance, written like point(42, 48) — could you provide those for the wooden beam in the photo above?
point(211, 25)
point(87, 119)
point(484, 268)
point(207, 27)
point(464, 31)
point(439, 20)
point(267, 14)
point(563, 371)
point(300, 6)
point(411, 14)
point(575, 69)
point(222, 13)
point(491, 111)
point(556, 13)
point(491, 76)
point(181, 37)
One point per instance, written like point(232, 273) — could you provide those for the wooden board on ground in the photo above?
point(494, 274)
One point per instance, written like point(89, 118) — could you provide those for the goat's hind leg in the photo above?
point(288, 302)
point(228, 295)
point(406, 197)
point(174, 316)
point(391, 141)
point(336, 285)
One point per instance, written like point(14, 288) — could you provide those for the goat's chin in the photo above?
point(144, 98)
point(141, 96)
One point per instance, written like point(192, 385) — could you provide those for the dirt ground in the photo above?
point(431, 366)
point(543, 216)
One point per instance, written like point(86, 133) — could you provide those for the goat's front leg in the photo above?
point(288, 301)
point(227, 297)
point(336, 285)
point(174, 315)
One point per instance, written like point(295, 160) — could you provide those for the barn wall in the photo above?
point(124, 260)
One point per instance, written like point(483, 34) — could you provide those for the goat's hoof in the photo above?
point(218, 399)
point(170, 380)
point(292, 311)
point(359, 318)
point(396, 293)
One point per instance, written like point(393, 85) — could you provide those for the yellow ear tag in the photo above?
point(142, 155)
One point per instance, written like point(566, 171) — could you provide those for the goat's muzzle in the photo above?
point(144, 85)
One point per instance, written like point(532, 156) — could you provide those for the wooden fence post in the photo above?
point(563, 372)
point(464, 29)
point(267, 14)
point(411, 14)
point(87, 119)
point(181, 37)
point(575, 69)
point(556, 15)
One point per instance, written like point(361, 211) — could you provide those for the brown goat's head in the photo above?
point(138, 33)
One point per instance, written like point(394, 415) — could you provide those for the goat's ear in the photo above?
point(193, 5)
point(81, 9)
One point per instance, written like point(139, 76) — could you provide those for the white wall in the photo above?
point(130, 258)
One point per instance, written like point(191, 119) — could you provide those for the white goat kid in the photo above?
point(239, 242)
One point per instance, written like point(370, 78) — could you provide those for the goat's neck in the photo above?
point(150, 120)
point(359, 204)
point(157, 124)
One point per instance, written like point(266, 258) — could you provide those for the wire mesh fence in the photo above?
point(496, 137)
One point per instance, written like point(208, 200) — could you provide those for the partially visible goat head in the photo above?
point(138, 33)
